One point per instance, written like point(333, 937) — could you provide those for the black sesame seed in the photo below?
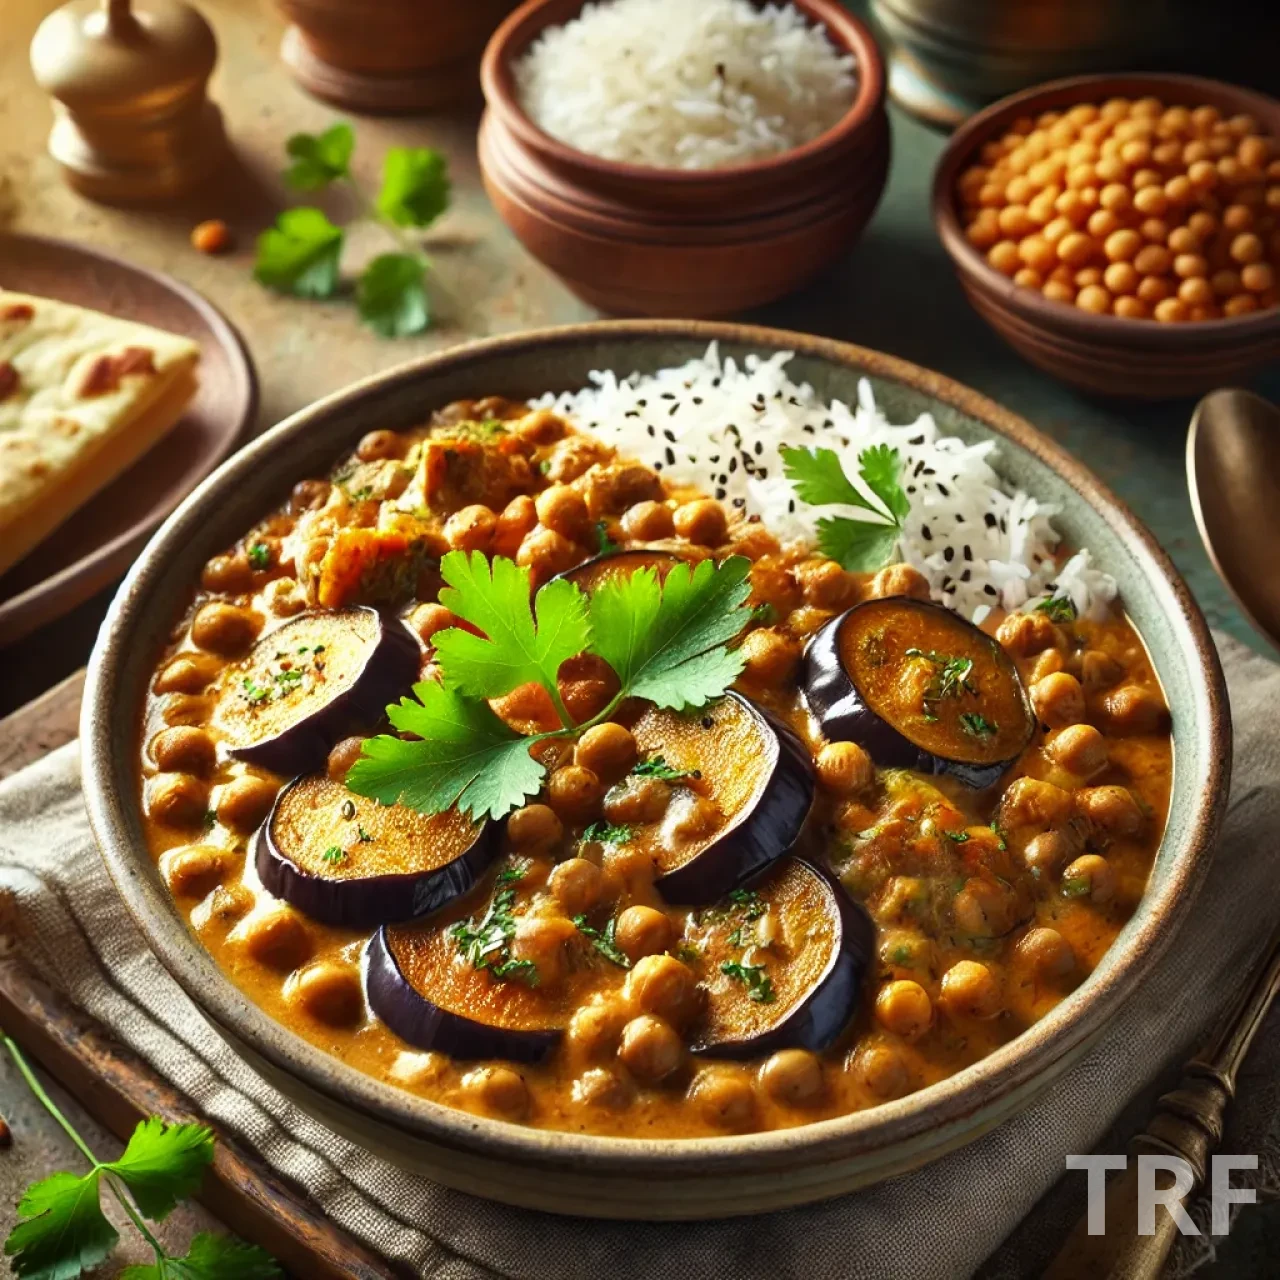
point(808, 430)
point(919, 468)
point(828, 423)
point(959, 518)
point(916, 440)
point(988, 588)
point(927, 532)
point(733, 464)
point(657, 466)
point(791, 506)
point(759, 447)
point(675, 408)
point(670, 435)
point(651, 429)
point(990, 520)
point(642, 403)
point(697, 399)
point(911, 488)
point(942, 489)
point(966, 575)
point(668, 395)
point(929, 471)
point(739, 502)
point(720, 494)
point(671, 456)
point(948, 554)
point(968, 552)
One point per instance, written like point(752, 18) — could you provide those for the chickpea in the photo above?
point(184, 749)
point(498, 1091)
point(1047, 663)
point(1028, 802)
point(1004, 257)
point(1121, 278)
point(1133, 710)
point(1099, 670)
point(342, 755)
point(244, 802)
point(534, 829)
point(899, 580)
point(540, 426)
point(607, 750)
point(724, 1097)
point(225, 629)
point(1153, 259)
point(185, 708)
point(648, 522)
point(577, 885)
point(1047, 953)
point(984, 908)
point(1094, 298)
point(574, 792)
point(1046, 852)
point(637, 800)
point(643, 931)
point(376, 446)
point(1024, 634)
point(1131, 308)
point(1113, 809)
point(177, 799)
point(904, 1008)
point(825, 584)
point(309, 495)
point(427, 619)
point(546, 553)
point(284, 597)
point(564, 511)
point(771, 656)
point(1089, 876)
point(689, 818)
point(187, 673)
point(845, 767)
point(595, 1029)
point(663, 986)
point(543, 941)
point(603, 1087)
point(518, 519)
point(650, 1049)
point(1172, 311)
point(1246, 248)
point(471, 529)
point(970, 990)
point(702, 522)
point(194, 871)
point(328, 992)
point(229, 575)
point(277, 938)
point(792, 1077)
point(1080, 749)
point(1258, 277)
point(1058, 700)
point(883, 1070)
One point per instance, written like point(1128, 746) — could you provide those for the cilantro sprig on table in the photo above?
point(859, 543)
point(667, 642)
point(302, 253)
point(62, 1232)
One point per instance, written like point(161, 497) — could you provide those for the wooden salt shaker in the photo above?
point(132, 122)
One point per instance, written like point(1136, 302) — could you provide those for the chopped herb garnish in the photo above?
point(260, 555)
point(1058, 609)
point(749, 900)
point(255, 693)
point(687, 952)
point(608, 833)
point(1076, 887)
point(764, 615)
point(363, 836)
point(604, 940)
point(657, 767)
point(210, 819)
point(360, 495)
point(486, 942)
point(952, 677)
point(605, 545)
point(509, 875)
point(758, 983)
point(960, 837)
point(901, 955)
point(288, 679)
point(977, 725)
point(333, 853)
point(1000, 835)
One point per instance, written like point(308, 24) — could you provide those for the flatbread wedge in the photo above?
point(83, 395)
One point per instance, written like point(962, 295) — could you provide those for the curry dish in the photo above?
point(880, 842)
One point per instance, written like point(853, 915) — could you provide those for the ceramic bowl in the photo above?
point(638, 240)
point(1140, 359)
point(642, 1177)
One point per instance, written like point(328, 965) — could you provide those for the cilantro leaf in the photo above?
point(163, 1164)
point(61, 1229)
point(415, 186)
point(657, 767)
point(753, 976)
point(211, 1258)
point(466, 756)
point(512, 651)
point(666, 642)
point(1058, 608)
point(819, 479)
point(879, 467)
point(392, 296)
point(604, 940)
point(300, 254)
point(857, 545)
point(319, 159)
point(609, 833)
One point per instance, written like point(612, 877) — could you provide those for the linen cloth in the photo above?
point(942, 1221)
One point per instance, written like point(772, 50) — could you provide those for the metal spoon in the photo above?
point(1233, 474)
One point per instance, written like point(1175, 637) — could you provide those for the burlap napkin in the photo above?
point(941, 1221)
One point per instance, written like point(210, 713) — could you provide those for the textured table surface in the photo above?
point(895, 292)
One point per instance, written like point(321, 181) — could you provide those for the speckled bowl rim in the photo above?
point(848, 32)
point(110, 795)
point(962, 149)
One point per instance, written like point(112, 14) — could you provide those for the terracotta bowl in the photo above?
point(1140, 359)
point(639, 240)
point(642, 1177)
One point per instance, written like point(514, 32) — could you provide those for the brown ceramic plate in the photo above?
point(97, 543)
point(643, 1177)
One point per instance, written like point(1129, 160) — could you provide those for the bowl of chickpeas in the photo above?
point(1122, 232)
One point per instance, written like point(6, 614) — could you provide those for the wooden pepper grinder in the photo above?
point(132, 122)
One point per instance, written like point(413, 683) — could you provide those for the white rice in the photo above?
point(685, 84)
point(719, 425)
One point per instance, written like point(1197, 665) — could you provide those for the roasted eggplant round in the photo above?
point(919, 688)
point(781, 964)
point(312, 681)
point(349, 861)
point(746, 793)
point(620, 564)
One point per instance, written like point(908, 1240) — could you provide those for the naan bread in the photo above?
point(82, 396)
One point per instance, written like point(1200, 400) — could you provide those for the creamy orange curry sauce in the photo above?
point(625, 1003)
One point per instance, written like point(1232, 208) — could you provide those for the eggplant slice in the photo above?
point(349, 861)
point(920, 688)
point(744, 809)
point(421, 981)
point(312, 681)
point(619, 564)
point(782, 964)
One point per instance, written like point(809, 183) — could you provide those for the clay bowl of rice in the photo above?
point(716, 406)
point(666, 158)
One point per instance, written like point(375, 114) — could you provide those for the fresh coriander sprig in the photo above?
point(667, 642)
point(657, 767)
point(1058, 608)
point(604, 940)
point(859, 543)
point(302, 253)
point(62, 1232)
point(753, 976)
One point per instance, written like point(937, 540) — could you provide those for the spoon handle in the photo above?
point(1187, 1123)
